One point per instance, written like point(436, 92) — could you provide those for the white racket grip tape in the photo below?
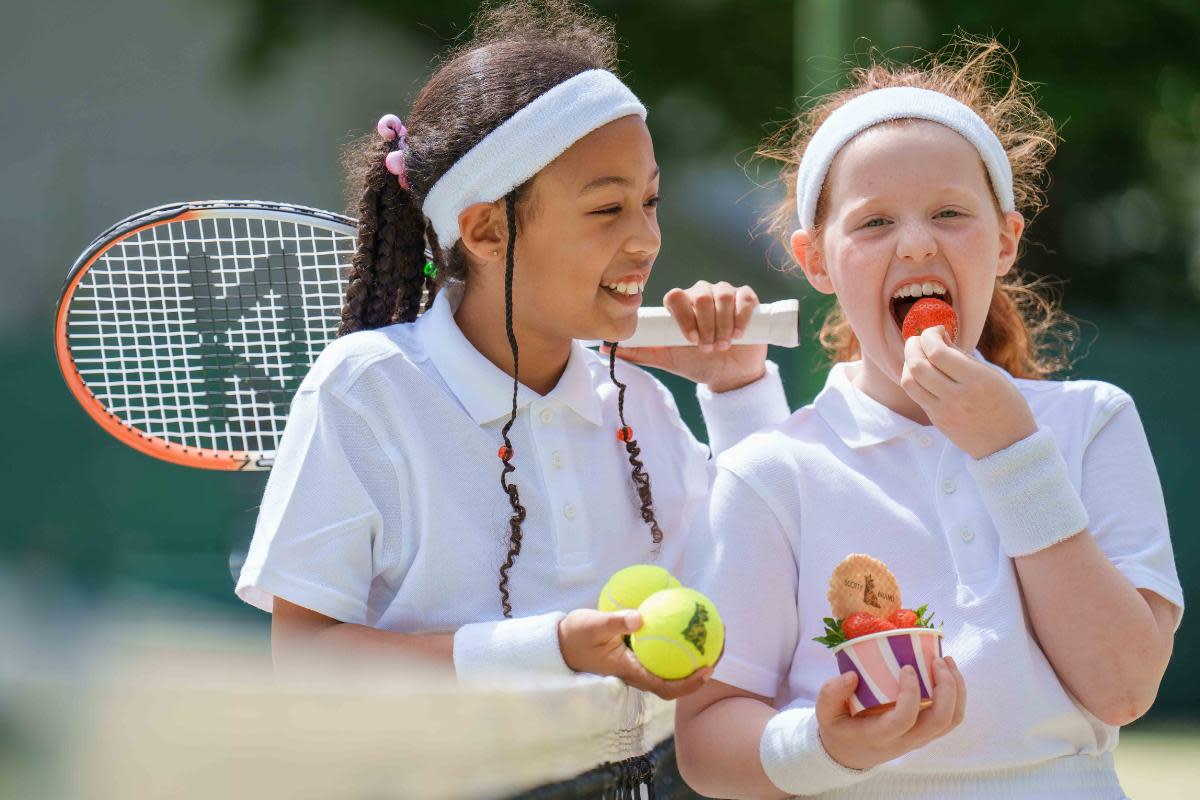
point(775, 323)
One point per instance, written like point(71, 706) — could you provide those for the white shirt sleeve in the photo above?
point(743, 561)
point(1124, 501)
point(318, 538)
point(732, 416)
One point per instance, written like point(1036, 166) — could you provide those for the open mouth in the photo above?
point(907, 296)
point(626, 289)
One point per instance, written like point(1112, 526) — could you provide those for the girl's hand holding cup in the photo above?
point(866, 741)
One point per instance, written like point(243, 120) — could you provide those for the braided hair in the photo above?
point(519, 51)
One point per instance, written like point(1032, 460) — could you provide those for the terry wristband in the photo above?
point(1029, 495)
point(795, 760)
point(489, 652)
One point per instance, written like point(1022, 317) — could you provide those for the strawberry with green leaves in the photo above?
point(860, 623)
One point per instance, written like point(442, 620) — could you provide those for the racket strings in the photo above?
point(199, 331)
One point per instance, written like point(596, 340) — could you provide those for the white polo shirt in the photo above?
point(384, 507)
point(848, 475)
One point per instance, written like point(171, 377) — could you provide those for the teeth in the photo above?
point(629, 288)
point(926, 289)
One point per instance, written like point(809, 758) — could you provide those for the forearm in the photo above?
point(1096, 629)
point(718, 749)
point(434, 648)
point(332, 643)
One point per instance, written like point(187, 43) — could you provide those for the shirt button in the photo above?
point(967, 534)
point(948, 486)
point(569, 511)
point(556, 459)
point(546, 415)
point(925, 440)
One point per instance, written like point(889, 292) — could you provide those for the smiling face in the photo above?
point(909, 211)
point(589, 236)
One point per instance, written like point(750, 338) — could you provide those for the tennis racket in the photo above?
point(185, 330)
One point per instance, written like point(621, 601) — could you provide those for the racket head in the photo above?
point(185, 330)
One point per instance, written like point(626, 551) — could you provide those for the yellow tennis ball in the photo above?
point(681, 632)
point(627, 588)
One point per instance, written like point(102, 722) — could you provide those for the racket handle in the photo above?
point(775, 323)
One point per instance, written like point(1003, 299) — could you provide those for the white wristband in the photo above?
point(490, 652)
point(795, 760)
point(1029, 495)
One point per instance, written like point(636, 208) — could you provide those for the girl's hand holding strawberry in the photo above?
point(977, 407)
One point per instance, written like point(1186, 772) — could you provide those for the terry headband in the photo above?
point(884, 105)
point(525, 143)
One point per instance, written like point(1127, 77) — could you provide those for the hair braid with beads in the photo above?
point(641, 479)
point(506, 452)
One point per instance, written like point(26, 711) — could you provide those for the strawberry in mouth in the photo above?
point(928, 313)
point(919, 305)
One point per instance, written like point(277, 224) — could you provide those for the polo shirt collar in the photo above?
point(858, 419)
point(483, 389)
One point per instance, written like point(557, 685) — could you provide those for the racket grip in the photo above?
point(775, 323)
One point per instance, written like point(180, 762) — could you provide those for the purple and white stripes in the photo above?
point(878, 658)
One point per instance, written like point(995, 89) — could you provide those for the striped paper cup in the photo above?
point(878, 658)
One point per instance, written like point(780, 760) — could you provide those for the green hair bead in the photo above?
point(431, 270)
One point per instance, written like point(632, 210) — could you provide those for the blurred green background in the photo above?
point(116, 107)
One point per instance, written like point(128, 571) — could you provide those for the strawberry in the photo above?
point(929, 312)
point(860, 623)
point(904, 618)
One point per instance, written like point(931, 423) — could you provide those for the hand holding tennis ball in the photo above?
point(598, 641)
point(681, 630)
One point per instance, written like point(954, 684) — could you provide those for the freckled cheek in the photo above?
point(858, 270)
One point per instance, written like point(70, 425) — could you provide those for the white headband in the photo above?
point(882, 105)
point(525, 143)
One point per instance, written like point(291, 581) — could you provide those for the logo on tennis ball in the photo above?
point(681, 632)
point(697, 631)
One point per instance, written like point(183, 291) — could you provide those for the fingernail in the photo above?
point(738, 333)
point(693, 337)
point(706, 348)
point(722, 345)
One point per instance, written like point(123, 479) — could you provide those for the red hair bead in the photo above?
point(505, 453)
point(625, 434)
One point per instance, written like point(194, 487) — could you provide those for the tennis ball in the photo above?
point(681, 632)
point(627, 588)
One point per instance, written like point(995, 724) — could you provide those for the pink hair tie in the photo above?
point(390, 127)
point(394, 161)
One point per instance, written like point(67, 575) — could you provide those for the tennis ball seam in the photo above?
point(615, 604)
point(687, 650)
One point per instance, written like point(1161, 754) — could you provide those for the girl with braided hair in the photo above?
point(509, 216)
